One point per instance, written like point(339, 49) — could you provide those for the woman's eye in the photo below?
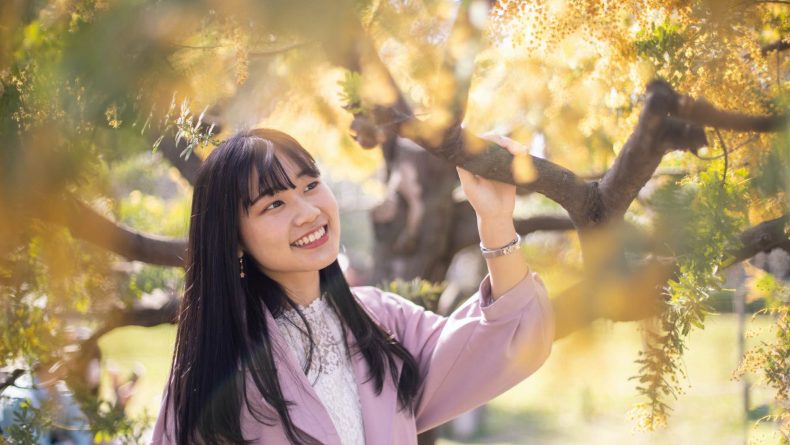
point(273, 205)
point(311, 185)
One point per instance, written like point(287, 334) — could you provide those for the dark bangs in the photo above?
point(263, 149)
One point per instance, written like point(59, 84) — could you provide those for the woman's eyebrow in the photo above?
point(271, 192)
point(257, 198)
point(308, 172)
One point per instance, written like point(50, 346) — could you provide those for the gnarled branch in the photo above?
point(87, 224)
point(494, 162)
point(779, 45)
point(702, 112)
point(142, 316)
point(764, 236)
point(654, 135)
point(669, 121)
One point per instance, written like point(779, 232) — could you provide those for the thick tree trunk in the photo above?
point(428, 251)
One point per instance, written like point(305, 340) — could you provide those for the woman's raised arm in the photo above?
point(493, 203)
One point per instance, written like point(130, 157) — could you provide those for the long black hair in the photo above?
point(222, 331)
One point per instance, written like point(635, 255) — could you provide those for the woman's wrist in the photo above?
point(497, 231)
point(505, 270)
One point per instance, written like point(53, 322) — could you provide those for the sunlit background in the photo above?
point(107, 105)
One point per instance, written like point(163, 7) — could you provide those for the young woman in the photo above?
point(273, 347)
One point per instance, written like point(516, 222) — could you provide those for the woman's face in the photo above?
point(293, 231)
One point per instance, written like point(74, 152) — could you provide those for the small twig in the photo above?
point(276, 51)
point(737, 147)
point(184, 46)
point(270, 52)
point(726, 158)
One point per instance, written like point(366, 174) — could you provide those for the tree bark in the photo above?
point(87, 224)
point(762, 237)
point(188, 167)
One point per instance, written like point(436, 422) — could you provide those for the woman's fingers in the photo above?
point(466, 176)
point(513, 146)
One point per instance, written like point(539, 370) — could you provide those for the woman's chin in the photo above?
point(327, 257)
point(335, 254)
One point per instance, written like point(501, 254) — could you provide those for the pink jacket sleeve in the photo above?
point(478, 352)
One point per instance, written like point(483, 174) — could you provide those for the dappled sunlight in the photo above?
point(663, 159)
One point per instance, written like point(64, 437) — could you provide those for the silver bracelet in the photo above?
point(502, 251)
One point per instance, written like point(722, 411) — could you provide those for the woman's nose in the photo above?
point(308, 212)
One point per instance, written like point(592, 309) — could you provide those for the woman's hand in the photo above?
point(489, 198)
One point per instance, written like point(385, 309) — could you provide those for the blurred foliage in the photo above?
point(29, 425)
point(89, 89)
point(771, 359)
point(152, 214)
point(50, 279)
point(350, 92)
point(705, 214)
point(422, 292)
point(108, 421)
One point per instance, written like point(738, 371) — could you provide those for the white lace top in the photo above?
point(330, 371)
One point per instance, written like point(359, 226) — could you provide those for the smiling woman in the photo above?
point(274, 347)
point(290, 229)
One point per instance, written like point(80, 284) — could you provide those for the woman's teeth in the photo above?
point(311, 237)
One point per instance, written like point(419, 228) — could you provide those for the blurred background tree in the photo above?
point(656, 151)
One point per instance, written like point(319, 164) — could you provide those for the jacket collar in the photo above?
point(308, 414)
point(378, 410)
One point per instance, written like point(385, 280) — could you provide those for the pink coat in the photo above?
point(466, 359)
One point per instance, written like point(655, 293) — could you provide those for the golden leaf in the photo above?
point(523, 168)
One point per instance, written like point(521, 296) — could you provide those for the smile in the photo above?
point(314, 239)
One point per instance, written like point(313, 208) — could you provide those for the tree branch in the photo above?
point(702, 112)
point(494, 162)
point(73, 367)
point(15, 374)
point(764, 236)
point(655, 133)
point(144, 317)
point(779, 46)
point(544, 223)
point(668, 121)
point(87, 224)
point(637, 294)
point(553, 181)
point(188, 167)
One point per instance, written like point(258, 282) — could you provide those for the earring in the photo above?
point(241, 266)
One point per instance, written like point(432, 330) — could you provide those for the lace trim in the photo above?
point(328, 350)
point(330, 372)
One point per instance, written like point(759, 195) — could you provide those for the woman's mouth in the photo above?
point(313, 239)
